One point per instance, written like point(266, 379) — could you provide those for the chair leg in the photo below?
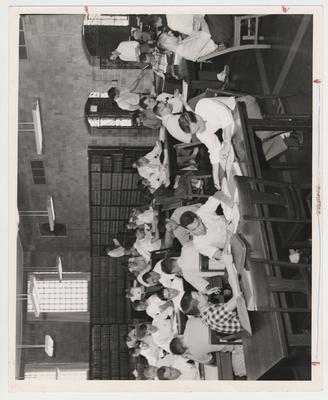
point(286, 285)
point(299, 340)
point(284, 309)
point(279, 263)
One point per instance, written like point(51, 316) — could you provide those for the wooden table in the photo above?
point(268, 345)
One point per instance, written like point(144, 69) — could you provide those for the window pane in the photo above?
point(65, 296)
point(21, 38)
point(40, 374)
point(22, 53)
point(39, 180)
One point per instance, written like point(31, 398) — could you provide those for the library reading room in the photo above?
point(164, 195)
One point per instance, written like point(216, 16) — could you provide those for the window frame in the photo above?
point(73, 316)
point(55, 368)
point(21, 28)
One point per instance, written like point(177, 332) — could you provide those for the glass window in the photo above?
point(68, 295)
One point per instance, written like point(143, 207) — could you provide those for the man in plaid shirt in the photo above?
point(218, 317)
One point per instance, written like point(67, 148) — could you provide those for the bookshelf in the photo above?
point(112, 189)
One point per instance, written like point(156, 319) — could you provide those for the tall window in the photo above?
point(58, 300)
point(106, 20)
point(57, 371)
point(22, 43)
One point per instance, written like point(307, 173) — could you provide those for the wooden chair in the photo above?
point(242, 42)
point(258, 198)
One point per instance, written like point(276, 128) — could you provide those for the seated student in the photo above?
point(173, 223)
point(147, 242)
point(166, 330)
point(151, 168)
point(126, 51)
point(172, 367)
point(174, 100)
point(186, 23)
point(153, 22)
point(211, 232)
point(143, 216)
point(194, 343)
point(218, 317)
point(211, 114)
point(168, 280)
point(151, 353)
point(137, 263)
point(127, 99)
point(187, 265)
point(196, 45)
point(144, 371)
point(149, 278)
point(154, 306)
point(218, 114)
point(142, 36)
point(221, 27)
point(171, 122)
point(148, 119)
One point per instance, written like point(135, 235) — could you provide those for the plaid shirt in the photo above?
point(219, 319)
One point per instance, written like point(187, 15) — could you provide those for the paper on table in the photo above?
point(247, 289)
point(243, 315)
point(216, 265)
point(245, 285)
point(229, 161)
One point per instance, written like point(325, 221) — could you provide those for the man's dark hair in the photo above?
point(111, 92)
point(160, 294)
point(146, 276)
point(142, 102)
point(143, 57)
point(185, 119)
point(187, 218)
point(141, 330)
point(137, 304)
point(177, 347)
point(167, 265)
point(188, 305)
point(160, 373)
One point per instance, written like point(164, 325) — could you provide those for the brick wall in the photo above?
point(59, 73)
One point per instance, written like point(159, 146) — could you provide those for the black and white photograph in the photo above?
point(166, 195)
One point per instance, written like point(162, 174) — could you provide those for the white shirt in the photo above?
point(196, 338)
point(182, 23)
point(189, 262)
point(154, 310)
point(128, 100)
point(153, 352)
point(165, 333)
point(216, 233)
point(196, 45)
point(171, 123)
point(216, 115)
point(146, 217)
point(129, 50)
point(182, 234)
point(168, 280)
point(145, 246)
point(154, 172)
point(188, 371)
point(176, 103)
